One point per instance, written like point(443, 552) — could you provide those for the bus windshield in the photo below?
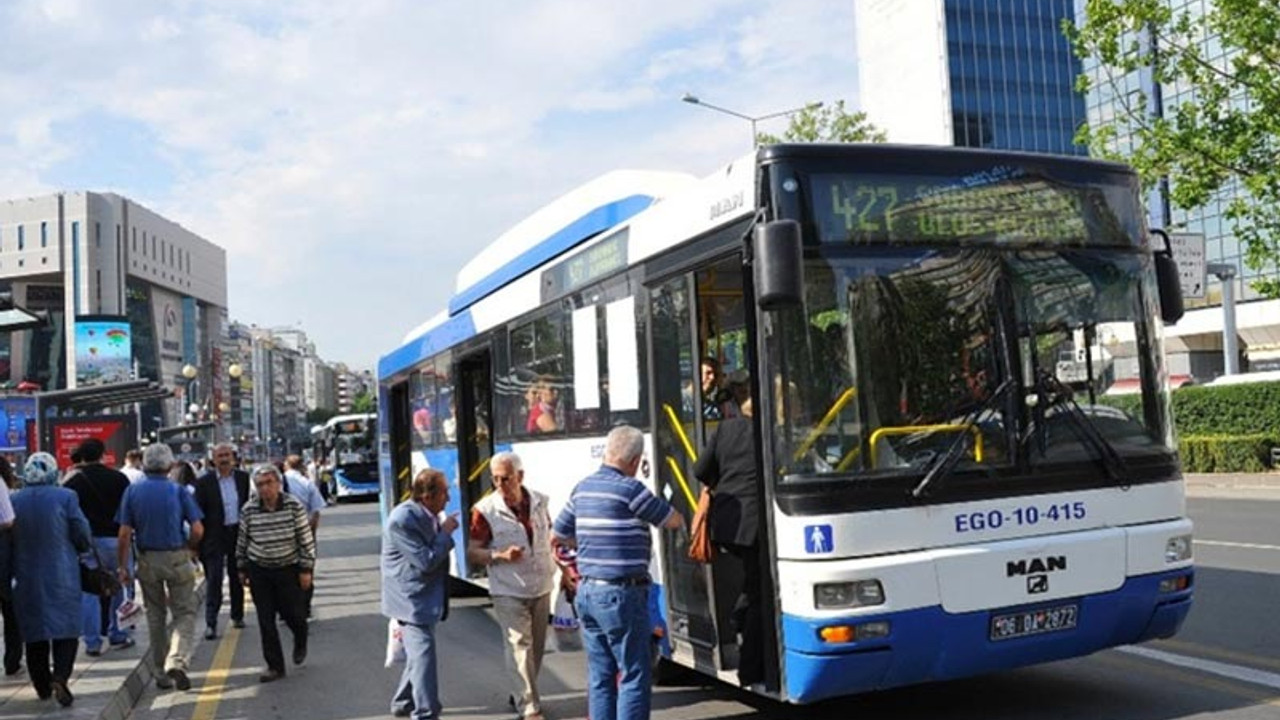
point(994, 358)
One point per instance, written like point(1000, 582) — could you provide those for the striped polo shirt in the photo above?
point(276, 538)
point(609, 515)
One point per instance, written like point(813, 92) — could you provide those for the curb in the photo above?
point(122, 702)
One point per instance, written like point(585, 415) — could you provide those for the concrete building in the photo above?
point(86, 257)
point(973, 73)
point(1195, 344)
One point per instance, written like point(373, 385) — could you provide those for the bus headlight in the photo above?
point(859, 593)
point(1177, 549)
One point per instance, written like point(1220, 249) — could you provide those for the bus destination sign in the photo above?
point(998, 205)
point(596, 262)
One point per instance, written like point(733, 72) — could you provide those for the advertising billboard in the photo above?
point(15, 411)
point(117, 432)
point(104, 350)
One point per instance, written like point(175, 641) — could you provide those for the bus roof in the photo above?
point(348, 418)
point(571, 224)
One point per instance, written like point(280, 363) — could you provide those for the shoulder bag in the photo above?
point(700, 548)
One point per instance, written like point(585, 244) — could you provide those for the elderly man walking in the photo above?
point(511, 533)
point(415, 589)
point(154, 511)
point(607, 518)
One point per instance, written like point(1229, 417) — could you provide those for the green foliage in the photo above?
point(319, 416)
point(1230, 428)
point(364, 403)
point(1222, 134)
point(1226, 453)
point(826, 123)
point(1228, 409)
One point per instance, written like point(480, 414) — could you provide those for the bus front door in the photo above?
point(472, 410)
point(674, 364)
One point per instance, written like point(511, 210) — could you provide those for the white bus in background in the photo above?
point(941, 496)
point(350, 460)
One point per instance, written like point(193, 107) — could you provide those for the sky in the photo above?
point(352, 156)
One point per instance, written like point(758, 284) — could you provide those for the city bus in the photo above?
point(344, 451)
point(936, 500)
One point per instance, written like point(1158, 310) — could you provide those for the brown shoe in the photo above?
point(270, 676)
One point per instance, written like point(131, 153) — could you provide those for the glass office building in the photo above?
point(975, 73)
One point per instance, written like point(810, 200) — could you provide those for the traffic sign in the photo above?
point(1188, 253)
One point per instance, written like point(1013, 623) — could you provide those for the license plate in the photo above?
point(1034, 622)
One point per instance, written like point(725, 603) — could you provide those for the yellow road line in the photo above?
point(211, 692)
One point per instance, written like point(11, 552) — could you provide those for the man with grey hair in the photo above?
point(154, 511)
point(220, 493)
point(607, 519)
point(511, 534)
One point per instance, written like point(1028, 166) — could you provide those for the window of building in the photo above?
point(22, 239)
point(97, 234)
point(44, 234)
point(134, 244)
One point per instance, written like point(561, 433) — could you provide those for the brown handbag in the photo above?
point(700, 547)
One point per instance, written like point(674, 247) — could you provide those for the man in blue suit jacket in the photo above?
point(415, 588)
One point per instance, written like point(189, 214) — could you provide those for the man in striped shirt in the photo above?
point(607, 518)
point(276, 553)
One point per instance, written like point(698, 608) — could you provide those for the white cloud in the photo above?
point(352, 156)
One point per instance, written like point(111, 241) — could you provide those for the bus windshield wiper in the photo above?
point(942, 468)
point(1061, 396)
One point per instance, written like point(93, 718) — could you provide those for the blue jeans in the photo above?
point(419, 689)
point(616, 635)
point(91, 605)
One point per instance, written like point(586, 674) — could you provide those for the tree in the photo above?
point(826, 123)
point(320, 416)
point(364, 402)
point(1222, 132)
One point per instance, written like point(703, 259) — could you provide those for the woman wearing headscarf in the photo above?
point(12, 640)
point(47, 542)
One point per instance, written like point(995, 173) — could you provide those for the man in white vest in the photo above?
point(511, 534)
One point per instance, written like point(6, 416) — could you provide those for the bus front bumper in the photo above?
point(929, 644)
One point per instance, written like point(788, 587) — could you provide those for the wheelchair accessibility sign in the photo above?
point(817, 539)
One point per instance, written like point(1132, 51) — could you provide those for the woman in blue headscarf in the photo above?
point(49, 535)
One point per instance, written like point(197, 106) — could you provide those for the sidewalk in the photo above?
point(105, 687)
point(1233, 481)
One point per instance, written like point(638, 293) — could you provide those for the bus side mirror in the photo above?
point(779, 272)
point(1171, 309)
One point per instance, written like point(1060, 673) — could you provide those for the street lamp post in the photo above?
point(695, 100)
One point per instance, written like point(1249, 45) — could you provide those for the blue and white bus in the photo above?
point(941, 495)
point(345, 443)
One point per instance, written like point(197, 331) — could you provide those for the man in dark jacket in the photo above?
point(100, 489)
point(220, 493)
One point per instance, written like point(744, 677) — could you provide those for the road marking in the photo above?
point(214, 682)
point(1213, 667)
point(1249, 546)
point(1181, 677)
point(1196, 649)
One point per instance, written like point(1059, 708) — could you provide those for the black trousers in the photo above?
point(64, 660)
point(216, 560)
point(12, 640)
point(276, 591)
point(747, 615)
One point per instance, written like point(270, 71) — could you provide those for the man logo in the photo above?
point(1037, 584)
point(1035, 565)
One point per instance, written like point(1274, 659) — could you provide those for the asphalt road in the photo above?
point(1204, 673)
